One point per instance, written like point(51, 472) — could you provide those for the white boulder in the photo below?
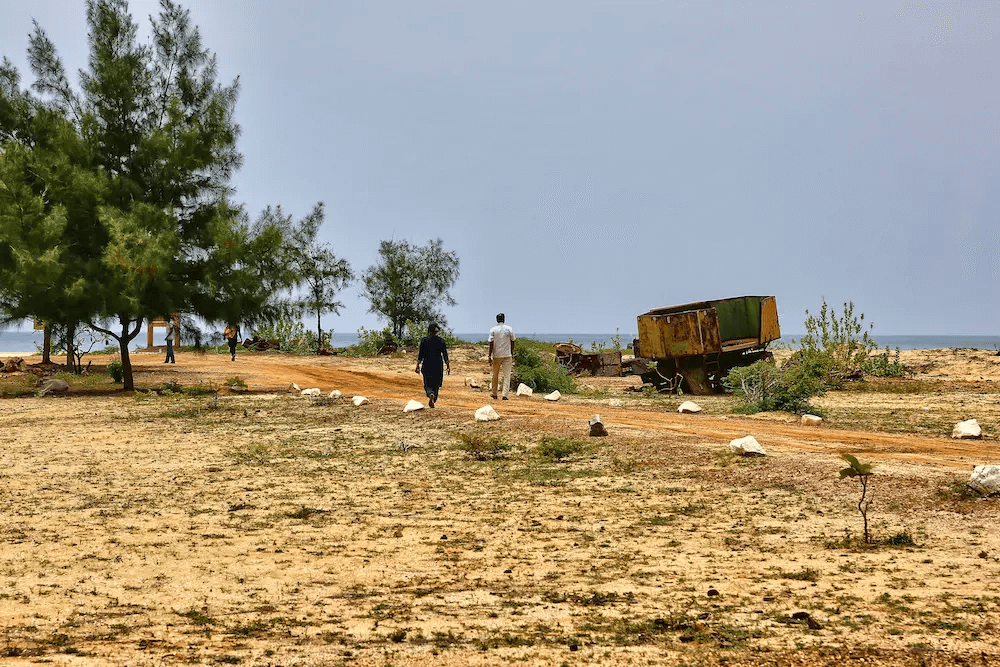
point(524, 390)
point(359, 400)
point(472, 382)
point(967, 430)
point(811, 420)
point(689, 407)
point(747, 446)
point(312, 391)
point(554, 396)
point(335, 393)
point(486, 414)
point(985, 479)
point(293, 387)
point(413, 406)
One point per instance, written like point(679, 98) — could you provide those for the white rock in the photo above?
point(969, 429)
point(554, 396)
point(312, 391)
point(472, 382)
point(689, 407)
point(413, 406)
point(524, 390)
point(747, 446)
point(486, 414)
point(335, 393)
point(293, 387)
point(985, 479)
point(359, 400)
point(811, 420)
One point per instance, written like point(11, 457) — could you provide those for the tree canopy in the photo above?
point(410, 283)
point(115, 199)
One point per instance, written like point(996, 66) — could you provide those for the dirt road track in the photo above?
point(394, 379)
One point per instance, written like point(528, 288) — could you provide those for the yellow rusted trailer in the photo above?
point(696, 344)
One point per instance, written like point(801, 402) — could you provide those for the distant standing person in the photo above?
point(433, 353)
point(501, 354)
point(232, 335)
point(171, 332)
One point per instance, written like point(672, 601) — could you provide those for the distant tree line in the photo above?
point(115, 199)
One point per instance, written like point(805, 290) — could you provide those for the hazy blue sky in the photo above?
point(589, 161)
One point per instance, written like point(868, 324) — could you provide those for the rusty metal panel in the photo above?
point(769, 328)
point(679, 334)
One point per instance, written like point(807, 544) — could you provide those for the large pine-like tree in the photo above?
point(114, 199)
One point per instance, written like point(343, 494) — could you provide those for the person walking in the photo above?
point(232, 335)
point(501, 354)
point(433, 354)
point(171, 332)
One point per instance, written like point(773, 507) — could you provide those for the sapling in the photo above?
point(862, 471)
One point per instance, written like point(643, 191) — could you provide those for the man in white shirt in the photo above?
point(501, 354)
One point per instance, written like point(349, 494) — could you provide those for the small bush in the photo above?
point(885, 365)
point(483, 447)
point(116, 371)
point(559, 449)
point(235, 381)
point(541, 375)
point(762, 386)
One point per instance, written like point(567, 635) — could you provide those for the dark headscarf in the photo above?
point(432, 329)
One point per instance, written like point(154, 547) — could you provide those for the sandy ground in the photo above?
point(264, 528)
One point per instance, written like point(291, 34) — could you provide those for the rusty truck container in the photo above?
point(696, 344)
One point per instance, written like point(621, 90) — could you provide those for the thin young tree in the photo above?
point(410, 283)
point(322, 273)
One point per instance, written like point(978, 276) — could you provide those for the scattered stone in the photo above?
point(486, 414)
point(967, 430)
point(413, 406)
point(52, 386)
point(293, 387)
point(554, 396)
point(747, 446)
point(597, 427)
point(12, 365)
point(312, 391)
point(713, 593)
point(524, 390)
point(473, 382)
point(335, 393)
point(811, 420)
point(809, 620)
point(985, 480)
point(614, 402)
point(689, 407)
point(359, 400)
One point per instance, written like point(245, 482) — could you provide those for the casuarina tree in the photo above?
point(141, 157)
point(410, 283)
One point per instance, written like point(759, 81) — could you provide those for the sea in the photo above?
point(31, 341)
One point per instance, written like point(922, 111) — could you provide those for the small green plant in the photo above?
point(762, 386)
point(235, 381)
point(863, 472)
point(116, 371)
point(483, 447)
point(559, 449)
point(543, 375)
point(885, 365)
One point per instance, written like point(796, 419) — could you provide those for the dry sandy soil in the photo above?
point(264, 528)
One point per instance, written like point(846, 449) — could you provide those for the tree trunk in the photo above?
point(70, 352)
point(46, 344)
point(319, 333)
point(128, 383)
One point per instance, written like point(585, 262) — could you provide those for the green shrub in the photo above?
point(762, 386)
point(116, 371)
point(483, 447)
point(540, 374)
point(559, 449)
point(885, 366)
point(235, 381)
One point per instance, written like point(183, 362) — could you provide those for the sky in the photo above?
point(590, 161)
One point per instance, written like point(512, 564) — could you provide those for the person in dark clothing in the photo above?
point(433, 354)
